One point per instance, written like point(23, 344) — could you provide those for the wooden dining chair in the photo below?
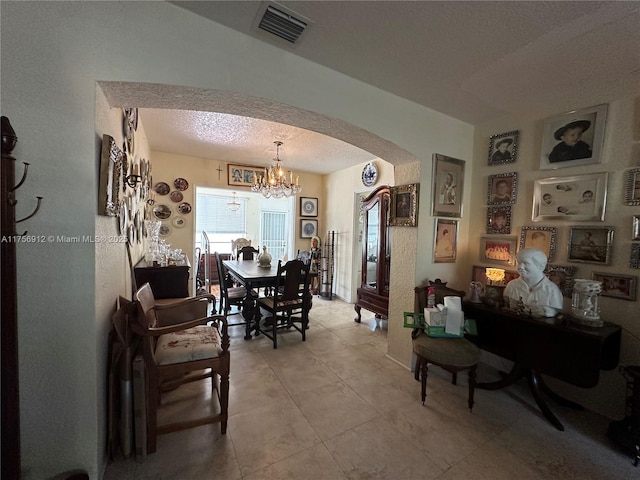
point(246, 253)
point(229, 296)
point(173, 351)
point(290, 295)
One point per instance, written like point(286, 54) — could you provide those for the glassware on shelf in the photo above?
point(584, 302)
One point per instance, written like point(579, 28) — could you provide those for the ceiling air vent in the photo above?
point(282, 24)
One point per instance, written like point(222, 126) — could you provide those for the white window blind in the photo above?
point(214, 216)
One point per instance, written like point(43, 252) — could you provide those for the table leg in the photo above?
point(557, 398)
point(535, 387)
point(514, 375)
point(248, 312)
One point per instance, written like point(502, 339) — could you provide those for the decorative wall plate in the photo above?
point(184, 208)
point(181, 184)
point(369, 174)
point(165, 230)
point(176, 196)
point(162, 188)
point(178, 221)
point(161, 212)
point(124, 218)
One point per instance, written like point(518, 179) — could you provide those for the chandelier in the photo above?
point(275, 182)
point(234, 205)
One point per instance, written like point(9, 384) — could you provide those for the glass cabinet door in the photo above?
point(372, 245)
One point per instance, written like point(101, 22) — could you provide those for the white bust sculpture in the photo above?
point(533, 292)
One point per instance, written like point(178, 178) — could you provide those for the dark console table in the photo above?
point(166, 282)
point(555, 347)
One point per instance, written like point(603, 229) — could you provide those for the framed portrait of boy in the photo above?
point(503, 148)
point(502, 189)
point(574, 138)
point(448, 182)
point(542, 238)
point(499, 219)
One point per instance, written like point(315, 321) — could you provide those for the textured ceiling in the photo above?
point(472, 60)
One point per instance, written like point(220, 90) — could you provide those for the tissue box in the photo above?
point(434, 317)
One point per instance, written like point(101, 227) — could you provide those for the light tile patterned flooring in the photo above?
point(335, 407)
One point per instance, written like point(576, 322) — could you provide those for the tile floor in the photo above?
point(335, 407)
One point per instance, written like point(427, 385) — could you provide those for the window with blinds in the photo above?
point(221, 224)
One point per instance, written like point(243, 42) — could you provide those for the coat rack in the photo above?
point(8, 308)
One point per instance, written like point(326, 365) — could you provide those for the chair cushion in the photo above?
point(197, 343)
point(457, 352)
point(269, 301)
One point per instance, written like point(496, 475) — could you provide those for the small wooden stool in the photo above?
point(451, 354)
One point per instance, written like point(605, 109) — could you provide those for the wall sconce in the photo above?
point(494, 290)
point(133, 179)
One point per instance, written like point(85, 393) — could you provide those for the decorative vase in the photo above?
point(584, 302)
point(264, 259)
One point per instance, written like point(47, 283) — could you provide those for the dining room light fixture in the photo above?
point(275, 182)
point(234, 205)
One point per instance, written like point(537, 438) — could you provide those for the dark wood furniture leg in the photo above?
point(249, 308)
point(513, 376)
point(357, 309)
point(534, 385)
point(472, 384)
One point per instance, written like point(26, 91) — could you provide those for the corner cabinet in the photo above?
point(373, 294)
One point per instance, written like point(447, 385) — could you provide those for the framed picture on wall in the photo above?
point(616, 285)
point(308, 207)
point(632, 187)
point(542, 238)
point(574, 138)
point(308, 228)
point(561, 275)
point(579, 198)
point(499, 219)
point(448, 182)
point(445, 241)
point(243, 175)
point(503, 148)
point(499, 250)
point(590, 244)
point(502, 189)
point(403, 211)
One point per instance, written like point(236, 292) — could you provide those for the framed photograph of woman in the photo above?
point(502, 189)
point(499, 219)
point(590, 244)
point(503, 148)
point(445, 241)
point(574, 138)
point(542, 238)
point(499, 250)
point(617, 286)
point(632, 187)
point(580, 198)
point(448, 182)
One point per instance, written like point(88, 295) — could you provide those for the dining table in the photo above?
point(253, 276)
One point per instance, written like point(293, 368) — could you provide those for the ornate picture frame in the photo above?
point(542, 238)
point(502, 189)
point(448, 183)
point(632, 187)
point(561, 275)
point(590, 244)
point(634, 256)
point(635, 228)
point(478, 275)
point(445, 241)
point(112, 173)
point(578, 198)
point(308, 228)
point(617, 286)
point(503, 148)
point(403, 211)
point(583, 131)
point(499, 219)
point(308, 207)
